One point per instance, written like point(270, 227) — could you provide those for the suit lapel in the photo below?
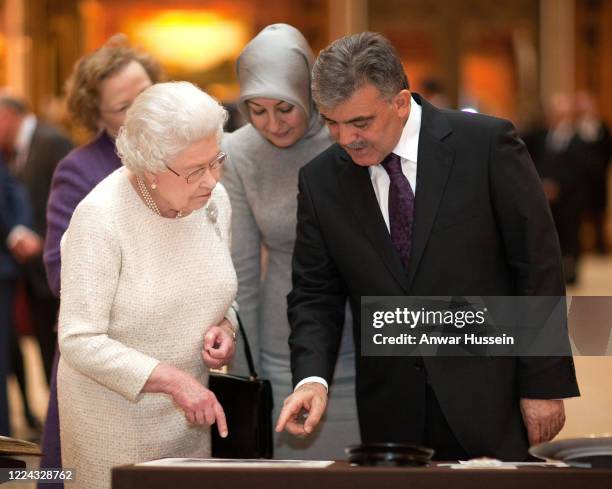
point(435, 161)
point(356, 187)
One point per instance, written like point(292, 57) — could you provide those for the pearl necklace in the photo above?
point(150, 203)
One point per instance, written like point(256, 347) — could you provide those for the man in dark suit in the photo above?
point(35, 149)
point(15, 215)
point(559, 154)
point(413, 200)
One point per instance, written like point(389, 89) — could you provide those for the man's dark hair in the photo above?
point(352, 61)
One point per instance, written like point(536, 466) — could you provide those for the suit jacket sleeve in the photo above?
point(532, 253)
point(47, 149)
point(317, 301)
point(15, 208)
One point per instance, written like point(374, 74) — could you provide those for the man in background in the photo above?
point(595, 153)
point(557, 153)
point(33, 149)
point(16, 241)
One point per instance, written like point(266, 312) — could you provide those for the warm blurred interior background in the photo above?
point(498, 57)
point(503, 57)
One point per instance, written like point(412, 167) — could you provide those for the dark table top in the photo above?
point(342, 475)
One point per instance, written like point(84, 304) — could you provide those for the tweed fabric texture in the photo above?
point(136, 289)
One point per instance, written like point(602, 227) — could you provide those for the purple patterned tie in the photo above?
point(401, 207)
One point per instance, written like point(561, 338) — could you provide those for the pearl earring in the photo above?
point(154, 185)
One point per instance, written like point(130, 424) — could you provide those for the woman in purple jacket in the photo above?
point(101, 88)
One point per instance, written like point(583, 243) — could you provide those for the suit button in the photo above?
point(418, 366)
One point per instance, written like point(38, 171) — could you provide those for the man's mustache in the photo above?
point(357, 145)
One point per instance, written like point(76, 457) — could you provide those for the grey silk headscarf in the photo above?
point(276, 64)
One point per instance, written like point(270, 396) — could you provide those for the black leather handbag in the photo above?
point(247, 402)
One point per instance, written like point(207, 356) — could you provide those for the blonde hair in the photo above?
point(82, 88)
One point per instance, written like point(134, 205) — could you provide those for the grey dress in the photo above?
point(261, 180)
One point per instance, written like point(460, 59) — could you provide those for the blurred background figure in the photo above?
point(556, 152)
point(433, 90)
point(100, 90)
point(22, 323)
point(34, 149)
point(594, 136)
point(285, 132)
point(16, 241)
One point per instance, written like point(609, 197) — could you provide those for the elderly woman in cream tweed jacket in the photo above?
point(147, 287)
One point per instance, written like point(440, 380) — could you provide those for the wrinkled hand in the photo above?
point(27, 246)
point(199, 404)
point(543, 419)
point(219, 345)
point(311, 398)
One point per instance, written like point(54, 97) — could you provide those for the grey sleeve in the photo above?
point(246, 255)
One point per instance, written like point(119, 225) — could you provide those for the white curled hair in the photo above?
point(164, 120)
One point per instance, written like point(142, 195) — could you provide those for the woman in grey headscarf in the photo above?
point(285, 132)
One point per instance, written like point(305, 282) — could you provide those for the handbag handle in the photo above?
point(247, 350)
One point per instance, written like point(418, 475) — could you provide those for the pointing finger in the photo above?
point(221, 421)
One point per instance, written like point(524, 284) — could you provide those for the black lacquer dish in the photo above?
point(389, 455)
